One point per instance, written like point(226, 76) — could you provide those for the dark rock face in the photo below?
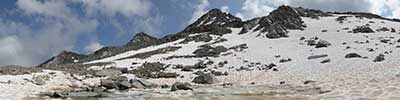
point(65, 57)
point(279, 20)
point(379, 58)
point(352, 55)
point(216, 17)
point(363, 29)
point(205, 79)
point(181, 86)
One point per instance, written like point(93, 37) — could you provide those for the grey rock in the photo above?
point(326, 61)
point(99, 89)
point(317, 56)
point(116, 82)
point(40, 79)
point(352, 55)
point(379, 58)
point(322, 43)
point(205, 79)
point(363, 29)
point(181, 86)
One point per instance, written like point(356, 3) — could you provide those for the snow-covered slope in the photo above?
point(350, 55)
point(262, 51)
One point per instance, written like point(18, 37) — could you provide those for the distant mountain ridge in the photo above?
point(274, 25)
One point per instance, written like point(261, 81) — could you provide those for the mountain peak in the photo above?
point(215, 17)
point(64, 57)
point(142, 37)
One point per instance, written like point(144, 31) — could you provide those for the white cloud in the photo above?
point(54, 25)
point(225, 9)
point(199, 10)
point(258, 8)
point(93, 46)
point(126, 8)
point(394, 7)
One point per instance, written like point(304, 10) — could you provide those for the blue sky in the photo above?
point(32, 31)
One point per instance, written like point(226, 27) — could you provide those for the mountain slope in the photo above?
point(337, 52)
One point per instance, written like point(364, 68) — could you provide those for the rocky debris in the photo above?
point(197, 38)
point(366, 15)
point(379, 58)
point(109, 72)
point(205, 79)
point(65, 57)
point(18, 70)
point(322, 43)
point(276, 24)
point(145, 55)
point(239, 48)
point(326, 61)
point(181, 86)
point(222, 64)
point(340, 19)
point(313, 13)
point(199, 65)
point(324, 31)
point(116, 82)
point(208, 51)
point(385, 40)
point(153, 70)
point(40, 79)
point(383, 29)
point(363, 29)
point(317, 56)
point(352, 55)
point(217, 73)
point(285, 60)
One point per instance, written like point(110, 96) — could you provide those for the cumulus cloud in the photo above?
point(199, 10)
point(126, 8)
point(93, 46)
point(258, 8)
point(54, 26)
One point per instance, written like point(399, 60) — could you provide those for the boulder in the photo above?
point(352, 55)
point(363, 29)
point(205, 79)
point(326, 61)
point(317, 56)
point(40, 79)
point(116, 82)
point(379, 58)
point(322, 43)
point(181, 86)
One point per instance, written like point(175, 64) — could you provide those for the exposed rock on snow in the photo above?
point(180, 86)
point(352, 55)
point(363, 29)
point(317, 56)
point(379, 58)
point(205, 79)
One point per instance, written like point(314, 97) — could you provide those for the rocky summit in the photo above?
point(293, 53)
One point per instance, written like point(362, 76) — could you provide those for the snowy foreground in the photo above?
point(298, 79)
